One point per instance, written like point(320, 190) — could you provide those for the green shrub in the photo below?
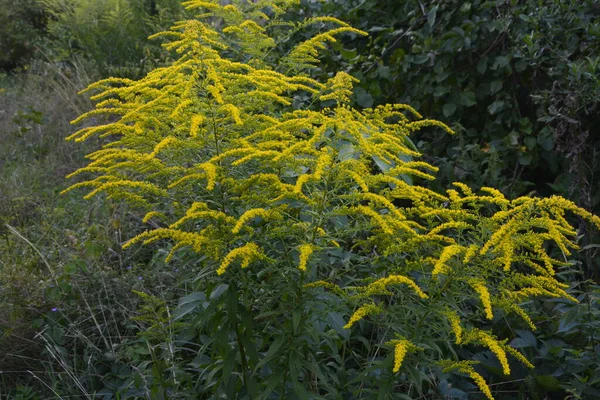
point(22, 23)
point(111, 33)
point(323, 265)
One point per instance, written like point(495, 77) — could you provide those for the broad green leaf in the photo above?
point(188, 304)
point(218, 291)
point(449, 109)
point(273, 350)
point(363, 98)
point(495, 107)
point(431, 16)
point(467, 99)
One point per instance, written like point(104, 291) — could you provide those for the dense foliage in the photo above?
point(517, 80)
point(22, 22)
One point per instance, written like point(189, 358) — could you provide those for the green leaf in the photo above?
point(530, 142)
point(431, 16)
point(384, 72)
point(273, 350)
point(525, 158)
point(525, 339)
point(449, 109)
point(337, 322)
point(348, 54)
point(548, 382)
point(218, 291)
point(228, 365)
point(500, 62)
point(300, 391)
point(273, 381)
point(495, 86)
point(467, 99)
point(546, 140)
point(363, 98)
point(296, 316)
point(496, 106)
point(188, 304)
point(482, 65)
point(384, 390)
point(383, 166)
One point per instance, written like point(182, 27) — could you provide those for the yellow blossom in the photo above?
point(441, 266)
point(361, 312)
point(380, 285)
point(399, 354)
point(248, 253)
point(484, 296)
point(248, 215)
point(455, 324)
point(305, 251)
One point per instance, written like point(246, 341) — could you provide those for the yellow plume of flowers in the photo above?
point(401, 348)
point(466, 367)
point(305, 252)
point(361, 312)
point(247, 253)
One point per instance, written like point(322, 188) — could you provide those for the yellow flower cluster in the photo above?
point(484, 295)
point(251, 214)
point(361, 312)
point(441, 266)
point(455, 324)
point(380, 286)
point(305, 251)
point(247, 253)
point(401, 348)
point(466, 367)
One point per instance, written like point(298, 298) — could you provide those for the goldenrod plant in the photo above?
point(297, 216)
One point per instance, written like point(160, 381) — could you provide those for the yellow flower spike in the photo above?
point(470, 253)
point(375, 198)
point(380, 285)
point(401, 348)
point(466, 367)
point(248, 253)
point(234, 112)
point(361, 312)
point(375, 216)
point(124, 184)
point(211, 174)
point(400, 351)
point(455, 324)
point(162, 145)
point(302, 179)
point(484, 296)
point(479, 381)
point(328, 285)
point(359, 180)
point(417, 125)
point(151, 215)
point(521, 313)
point(450, 225)
point(508, 250)
point(465, 189)
point(441, 266)
point(305, 252)
point(516, 354)
point(495, 347)
point(248, 215)
point(195, 123)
